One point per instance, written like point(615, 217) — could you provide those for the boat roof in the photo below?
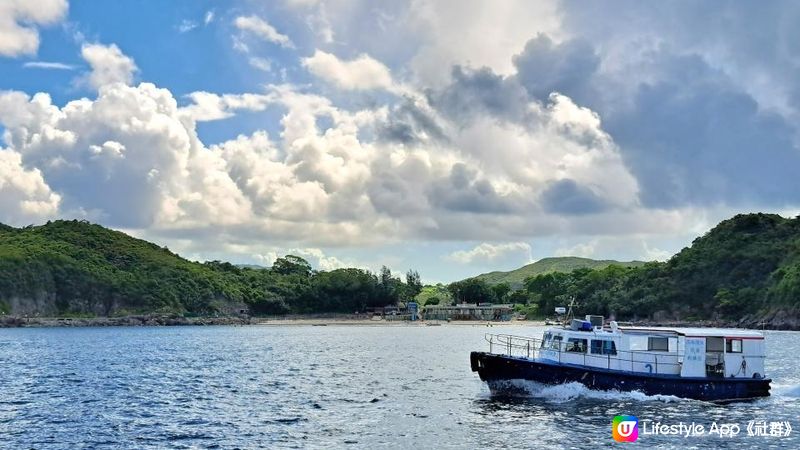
point(702, 332)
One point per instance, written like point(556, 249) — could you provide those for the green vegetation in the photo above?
point(516, 278)
point(747, 266)
point(77, 269)
point(434, 295)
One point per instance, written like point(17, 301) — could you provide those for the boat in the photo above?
point(710, 364)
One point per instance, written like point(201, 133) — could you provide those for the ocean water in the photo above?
point(328, 387)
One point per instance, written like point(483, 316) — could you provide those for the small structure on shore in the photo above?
point(407, 311)
point(469, 311)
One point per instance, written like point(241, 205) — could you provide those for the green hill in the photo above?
point(746, 270)
point(68, 268)
point(517, 277)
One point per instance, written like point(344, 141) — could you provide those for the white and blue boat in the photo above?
point(711, 364)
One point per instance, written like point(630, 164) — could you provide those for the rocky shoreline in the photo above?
point(131, 321)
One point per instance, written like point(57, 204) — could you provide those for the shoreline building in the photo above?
point(469, 311)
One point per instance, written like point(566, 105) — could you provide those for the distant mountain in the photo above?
point(548, 265)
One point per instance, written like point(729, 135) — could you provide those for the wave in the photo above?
point(791, 390)
point(561, 393)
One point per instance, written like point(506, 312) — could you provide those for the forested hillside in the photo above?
point(747, 268)
point(77, 268)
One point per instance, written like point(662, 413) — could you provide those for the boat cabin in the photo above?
point(687, 352)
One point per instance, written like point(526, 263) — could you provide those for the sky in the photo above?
point(453, 137)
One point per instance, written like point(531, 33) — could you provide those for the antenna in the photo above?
point(570, 314)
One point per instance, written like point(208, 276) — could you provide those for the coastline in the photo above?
point(125, 321)
point(340, 320)
point(299, 320)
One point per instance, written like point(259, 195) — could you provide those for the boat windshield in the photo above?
point(546, 340)
point(555, 343)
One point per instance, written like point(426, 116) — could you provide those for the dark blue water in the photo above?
point(324, 387)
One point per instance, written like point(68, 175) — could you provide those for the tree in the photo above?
point(501, 290)
point(432, 301)
point(471, 290)
point(547, 289)
point(292, 265)
point(389, 287)
point(519, 297)
point(413, 285)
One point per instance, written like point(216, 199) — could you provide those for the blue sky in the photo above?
point(452, 137)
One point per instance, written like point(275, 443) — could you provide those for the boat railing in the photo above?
point(634, 360)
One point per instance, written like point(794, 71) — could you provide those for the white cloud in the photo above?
point(320, 260)
point(187, 25)
point(259, 63)
point(475, 32)
point(316, 257)
point(635, 247)
point(209, 17)
point(127, 158)
point(362, 73)
point(19, 20)
point(583, 250)
point(108, 64)
point(262, 29)
point(207, 106)
point(490, 253)
point(24, 196)
point(48, 65)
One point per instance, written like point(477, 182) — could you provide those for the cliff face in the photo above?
point(41, 303)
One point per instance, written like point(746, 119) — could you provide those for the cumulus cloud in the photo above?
point(263, 30)
point(624, 248)
point(476, 33)
point(491, 253)
point(539, 121)
point(24, 196)
point(19, 20)
point(108, 64)
point(207, 106)
point(361, 73)
point(126, 158)
point(544, 67)
point(315, 256)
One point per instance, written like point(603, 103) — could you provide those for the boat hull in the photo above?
point(495, 369)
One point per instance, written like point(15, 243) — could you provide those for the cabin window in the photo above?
point(734, 346)
point(576, 345)
point(637, 343)
point(555, 344)
point(546, 340)
point(658, 344)
point(603, 347)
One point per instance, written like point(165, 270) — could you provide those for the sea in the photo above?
point(227, 387)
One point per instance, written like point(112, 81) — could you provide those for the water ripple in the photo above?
point(321, 387)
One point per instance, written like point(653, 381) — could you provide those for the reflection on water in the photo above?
point(323, 387)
